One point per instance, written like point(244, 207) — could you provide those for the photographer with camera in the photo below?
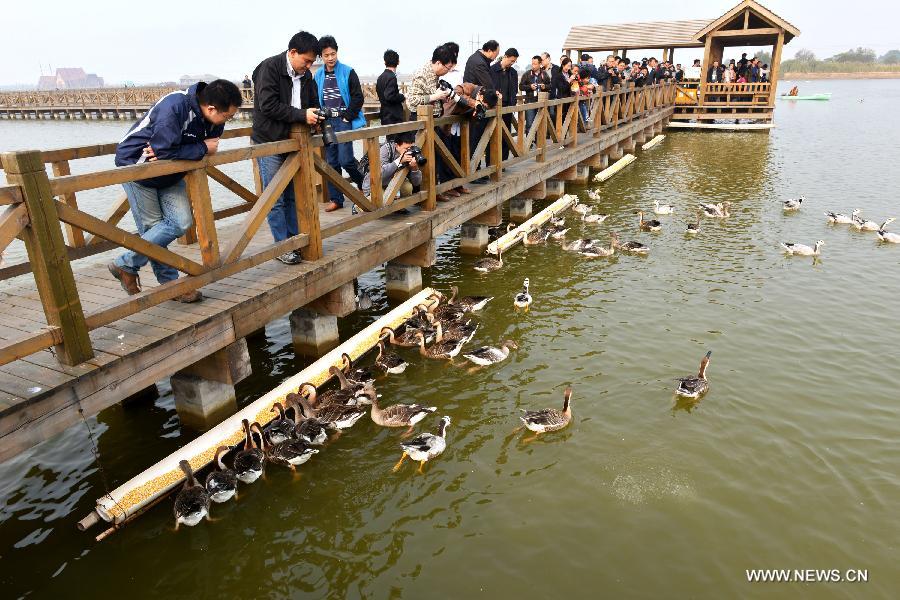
point(532, 83)
point(506, 82)
point(396, 154)
point(284, 94)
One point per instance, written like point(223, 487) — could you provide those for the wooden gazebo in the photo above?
point(747, 24)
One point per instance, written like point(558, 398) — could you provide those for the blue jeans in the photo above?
point(529, 119)
point(340, 156)
point(583, 106)
point(162, 215)
point(282, 218)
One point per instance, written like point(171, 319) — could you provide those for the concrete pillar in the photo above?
point(313, 333)
point(555, 189)
point(604, 161)
point(569, 174)
point(403, 281)
point(473, 238)
point(520, 209)
point(616, 152)
point(204, 392)
point(629, 145)
point(582, 174)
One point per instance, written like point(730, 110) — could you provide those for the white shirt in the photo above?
point(454, 77)
point(295, 79)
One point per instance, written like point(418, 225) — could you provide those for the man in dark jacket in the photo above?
point(183, 125)
point(285, 93)
point(506, 83)
point(533, 82)
point(478, 66)
point(392, 107)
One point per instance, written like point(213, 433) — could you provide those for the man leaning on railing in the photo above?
point(183, 125)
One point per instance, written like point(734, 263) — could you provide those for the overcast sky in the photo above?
point(160, 40)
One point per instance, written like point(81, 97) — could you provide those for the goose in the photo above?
point(523, 298)
point(557, 221)
point(355, 376)
point(537, 235)
point(840, 218)
point(405, 340)
point(581, 245)
point(425, 446)
point(221, 485)
point(888, 236)
point(363, 300)
point(581, 208)
point(490, 355)
point(596, 218)
point(444, 350)
point(280, 429)
point(421, 319)
point(389, 362)
point(651, 225)
point(863, 224)
point(192, 502)
point(249, 462)
point(318, 400)
point(307, 428)
point(558, 232)
point(694, 387)
point(489, 263)
point(791, 205)
point(456, 332)
point(334, 416)
point(629, 247)
point(291, 453)
point(447, 313)
point(802, 249)
point(719, 211)
point(400, 415)
point(598, 251)
point(693, 228)
point(594, 194)
point(470, 303)
point(663, 209)
point(549, 419)
point(495, 233)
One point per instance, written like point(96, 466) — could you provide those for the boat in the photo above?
point(824, 96)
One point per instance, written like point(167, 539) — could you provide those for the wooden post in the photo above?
point(541, 135)
point(376, 193)
point(574, 123)
point(74, 235)
point(520, 126)
point(425, 114)
point(704, 69)
point(774, 67)
point(304, 183)
point(47, 255)
point(496, 145)
point(465, 159)
point(204, 220)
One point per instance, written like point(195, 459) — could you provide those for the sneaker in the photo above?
point(290, 258)
point(189, 297)
point(130, 283)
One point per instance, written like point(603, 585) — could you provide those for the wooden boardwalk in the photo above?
point(40, 396)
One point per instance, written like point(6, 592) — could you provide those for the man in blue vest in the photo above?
point(339, 89)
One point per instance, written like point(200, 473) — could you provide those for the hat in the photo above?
point(585, 56)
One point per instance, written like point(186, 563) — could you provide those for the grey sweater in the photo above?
point(389, 166)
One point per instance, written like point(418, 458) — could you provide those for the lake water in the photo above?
point(791, 461)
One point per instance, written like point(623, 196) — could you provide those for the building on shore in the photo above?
point(70, 78)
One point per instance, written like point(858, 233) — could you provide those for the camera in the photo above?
point(329, 137)
point(445, 85)
point(330, 113)
point(416, 154)
point(480, 112)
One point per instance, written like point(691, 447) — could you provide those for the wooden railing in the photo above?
point(736, 94)
point(44, 212)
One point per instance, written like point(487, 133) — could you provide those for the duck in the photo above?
point(549, 419)
point(489, 263)
point(399, 415)
point(280, 429)
point(192, 501)
point(363, 300)
point(581, 208)
point(651, 225)
point(888, 236)
point(389, 362)
point(663, 209)
point(694, 387)
point(693, 228)
point(469, 303)
point(719, 210)
point(221, 485)
point(863, 224)
point(791, 205)
point(595, 218)
point(356, 376)
point(523, 299)
point(630, 247)
point(840, 218)
point(802, 249)
point(456, 332)
point(439, 350)
point(407, 339)
point(291, 453)
point(334, 416)
point(425, 446)
point(491, 355)
point(306, 428)
point(537, 235)
point(249, 462)
point(594, 194)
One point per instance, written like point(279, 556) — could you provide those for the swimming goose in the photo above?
point(694, 387)
point(389, 362)
point(790, 204)
point(249, 462)
point(888, 236)
point(407, 339)
point(557, 221)
point(192, 502)
point(489, 355)
point(581, 208)
point(629, 247)
point(594, 218)
point(651, 225)
point(841, 219)
point(719, 210)
point(444, 350)
point(356, 376)
point(693, 228)
point(863, 224)
point(594, 194)
point(363, 300)
point(447, 313)
point(537, 235)
point(523, 298)
point(549, 419)
point(425, 446)
point(495, 233)
point(291, 453)
point(489, 263)
point(595, 250)
point(328, 397)
point(421, 319)
point(307, 427)
point(221, 484)
point(663, 209)
point(582, 244)
point(470, 303)
point(456, 332)
point(334, 416)
point(802, 249)
point(558, 232)
point(280, 429)
point(399, 415)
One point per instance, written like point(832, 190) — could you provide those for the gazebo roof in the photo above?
point(633, 36)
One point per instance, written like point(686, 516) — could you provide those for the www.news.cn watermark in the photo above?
point(807, 575)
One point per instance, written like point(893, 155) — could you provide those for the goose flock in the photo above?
point(854, 219)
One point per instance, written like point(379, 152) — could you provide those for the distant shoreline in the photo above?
point(865, 75)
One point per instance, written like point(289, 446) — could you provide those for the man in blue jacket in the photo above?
point(339, 90)
point(183, 125)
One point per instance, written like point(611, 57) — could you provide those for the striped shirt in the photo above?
point(331, 93)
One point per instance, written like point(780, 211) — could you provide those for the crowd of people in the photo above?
point(745, 70)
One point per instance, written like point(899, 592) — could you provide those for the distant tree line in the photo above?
point(853, 60)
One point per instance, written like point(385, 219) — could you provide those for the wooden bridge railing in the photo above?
point(736, 94)
point(43, 210)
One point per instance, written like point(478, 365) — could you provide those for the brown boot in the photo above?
point(130, 283)
point(189, 297)
point(462, 190)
